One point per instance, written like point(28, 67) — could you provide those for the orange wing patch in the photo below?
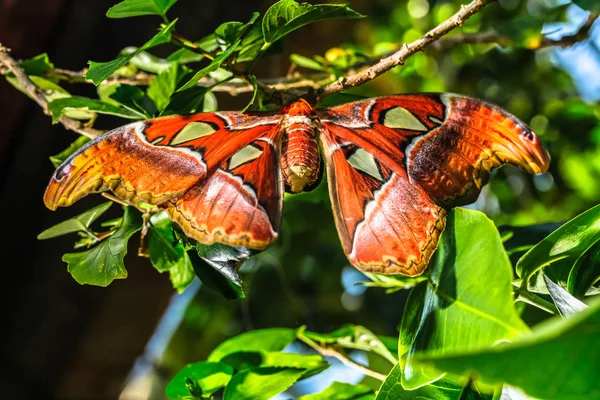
point(126, 163)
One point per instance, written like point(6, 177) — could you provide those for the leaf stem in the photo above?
point(328, 351)
point(180, 41)
point(535, 300)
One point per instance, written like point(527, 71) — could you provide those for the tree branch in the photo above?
point(494, 37)
point(407, 50)
point(38, 95)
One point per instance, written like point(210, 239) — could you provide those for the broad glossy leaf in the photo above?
point(252, 44)
point(208, 44)
point(443, 389)
point(566, 304)
point(182, 274)
point(308, 63)
point(558, 360)
point(458, 308)
point(37, 65)
point(262, 340)
point(66, 153)
point(102, 264)
point(511, 393)
point(261, 383)
point(216, 63)
point(168, 254)
point(565, 245)
point(134, 8)
point(331, 337)
point(186, 102)
point(146, 61)
point(342, 391)
point(216, 265)
point(228, 33)
point(585, 272)
point(135, 100)
point(99, 71)
point(80, 223)
point(312, 364)
point(51, 91)
point(589, 5)
point(164, 249)
point(286, 16)
point(392, 283)
point(203, 377)
point(165, 84)
point(231, 289)
point(63, 105)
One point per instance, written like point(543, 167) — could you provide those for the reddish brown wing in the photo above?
point(240, 204)
point(184, 159)
point(386, 225)
point(395, 163)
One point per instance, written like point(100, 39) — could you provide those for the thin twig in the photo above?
point(38, 96)
point(331, 352)
point(407, 50)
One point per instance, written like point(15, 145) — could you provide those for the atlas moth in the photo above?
point(395, 166)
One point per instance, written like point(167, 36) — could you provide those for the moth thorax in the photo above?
point(300, 160)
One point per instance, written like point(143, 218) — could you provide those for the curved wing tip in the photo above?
point(387, 268)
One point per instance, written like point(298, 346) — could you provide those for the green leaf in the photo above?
point(392, 283)
point(37, 65)
point(164, 249)
point(262, 340)
point(51, 91)
point(308, 63)
point(342, 391)
point(164, 85)
point(331, 337)
point(392, 389)
point(312, 364)
point(205, 377)
point(563, 246)
point(216, 265)
point(134, 8)
point(261, 383)
point(59, 158)
point(585, 272)
point(251, 45)
point(99, 71)
point(135, 100)
point(456, 310)
point(208, 44)
point(80, 223)
point(63, 105)
point(286, 16)
point(102, 264)
point(185, 102)
point(182, 274)
point(167, 253)
point(228, 33)
point(565, 303)
point(353, 337)
point(589, 5)
point(146, 61)
point(558, 361)
point(216, 63)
